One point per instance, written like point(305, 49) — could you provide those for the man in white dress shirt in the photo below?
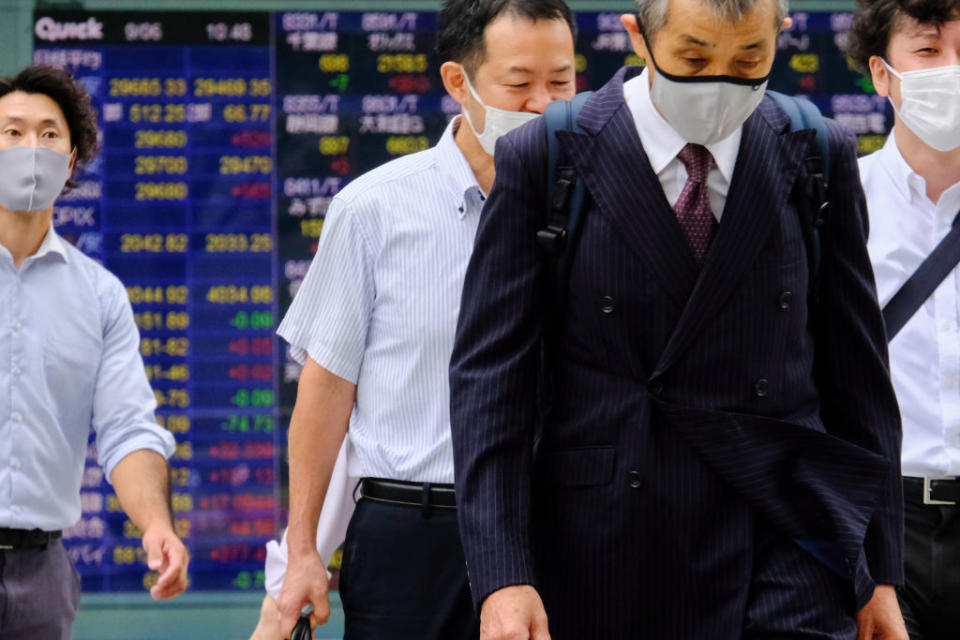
point(911, 49)
point(69, 361)
point(374, 323)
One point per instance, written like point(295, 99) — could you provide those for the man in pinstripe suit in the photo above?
point(374, 323)
point(721, 459)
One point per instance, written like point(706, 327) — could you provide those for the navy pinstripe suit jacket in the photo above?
point(689, 404)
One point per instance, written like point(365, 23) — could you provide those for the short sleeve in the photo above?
point(330, 313)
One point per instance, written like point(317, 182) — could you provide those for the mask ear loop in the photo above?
point(646, 42)
point(896, 74)
point(476, 96)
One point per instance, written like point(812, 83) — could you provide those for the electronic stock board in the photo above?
point(224, 138)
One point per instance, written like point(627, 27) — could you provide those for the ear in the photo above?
point(454, 81)
point(629, 22)
point(786, 24)
point(880, 76)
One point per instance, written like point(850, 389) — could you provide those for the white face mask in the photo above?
point(705, 109)
point(930, 104)
point(497, 122)
point(31, 178)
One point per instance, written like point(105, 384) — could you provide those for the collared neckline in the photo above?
point(456, 170)
point(910, 183)
point(661, 141)
point(52, 243)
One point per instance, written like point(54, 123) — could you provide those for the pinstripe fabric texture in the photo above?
point(692, 413)
point(379, 306)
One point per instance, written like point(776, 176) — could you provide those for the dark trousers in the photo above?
point(930, 599)
point(39, 593)
point(404, 575)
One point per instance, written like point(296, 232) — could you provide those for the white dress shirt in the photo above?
point(905, 226)
point(69, 360)
point(379, 307)
point(662, 144)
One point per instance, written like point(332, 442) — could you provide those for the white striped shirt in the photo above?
point(380, 302)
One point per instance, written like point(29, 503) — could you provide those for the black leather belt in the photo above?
point(26, 539)
point(933, 491)
point(414, 494)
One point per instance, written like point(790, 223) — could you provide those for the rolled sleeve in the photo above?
point(124, 403)
point(330, 314)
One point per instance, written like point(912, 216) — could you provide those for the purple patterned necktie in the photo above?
point(693, 207)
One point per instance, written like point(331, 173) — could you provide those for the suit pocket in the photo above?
point(578, 466)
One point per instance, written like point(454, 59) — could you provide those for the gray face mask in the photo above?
point(31, 178)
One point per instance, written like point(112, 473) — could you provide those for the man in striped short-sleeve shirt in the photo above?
point(373, 324)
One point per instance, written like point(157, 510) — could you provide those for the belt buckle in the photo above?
point(927, 488)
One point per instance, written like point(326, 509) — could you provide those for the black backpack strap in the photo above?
point(812, 186)
point(924, 281)
point(566, 198)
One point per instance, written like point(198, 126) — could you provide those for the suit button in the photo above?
point(785, 299)
point(636, 480)
point(655, 387)
point(760, 387)
point(606, 304)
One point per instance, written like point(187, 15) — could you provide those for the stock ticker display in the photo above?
point(224, 138)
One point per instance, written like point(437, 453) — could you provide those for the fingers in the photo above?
point(321, 610)
point(539, 629)
point(154, 553)
point(173, 564)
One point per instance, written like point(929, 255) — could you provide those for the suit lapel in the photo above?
point(619, 178)
point(766, 169)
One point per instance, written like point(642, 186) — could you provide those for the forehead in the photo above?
point(544, 41)
point(696, 18)
point(31, 107)
point(907, 26)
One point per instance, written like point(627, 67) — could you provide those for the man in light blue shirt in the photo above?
point(69, 361)
point(374, 323)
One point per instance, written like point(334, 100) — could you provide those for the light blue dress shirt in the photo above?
point(380, 302)
point(69, 360)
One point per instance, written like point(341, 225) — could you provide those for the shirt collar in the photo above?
point(456, 170)
point(910, 183)
point(52, 243)
point(661, 141)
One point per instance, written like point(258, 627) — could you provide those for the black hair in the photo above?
point(73, 100)
point(875, 20)
point(461, 25)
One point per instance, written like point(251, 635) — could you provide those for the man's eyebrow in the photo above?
point(46, 122)
point(752, 45)
point(518, 69)
point(700, 43)
point(924, 31)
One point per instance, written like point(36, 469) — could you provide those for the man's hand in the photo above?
point(167, 555)
point(305, 583)
point(514, 613)
point(880, 619)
